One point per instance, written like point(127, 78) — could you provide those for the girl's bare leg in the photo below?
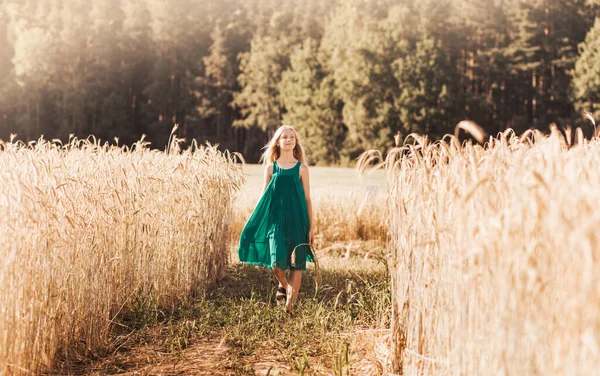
point(293, 288)
point(280, 275)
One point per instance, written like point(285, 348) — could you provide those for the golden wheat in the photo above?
point(496, 256)
point(88, 230)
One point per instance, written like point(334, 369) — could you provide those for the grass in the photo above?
point(240, 314)
point(244, 311)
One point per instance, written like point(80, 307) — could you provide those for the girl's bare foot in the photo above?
point(289, 306)
point(281, 294)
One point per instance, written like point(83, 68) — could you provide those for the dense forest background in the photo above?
point(349, 74)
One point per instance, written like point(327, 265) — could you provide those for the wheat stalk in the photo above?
point(90, 233)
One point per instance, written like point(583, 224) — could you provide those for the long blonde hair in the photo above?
point(272, 151)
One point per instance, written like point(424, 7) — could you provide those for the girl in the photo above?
point(281, 225)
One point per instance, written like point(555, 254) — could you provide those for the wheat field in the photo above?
point(496, 255)
point(493, 250)
point(91, 235)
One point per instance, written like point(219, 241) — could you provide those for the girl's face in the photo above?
point(287, 140)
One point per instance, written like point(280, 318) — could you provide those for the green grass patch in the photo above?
point(243, 310)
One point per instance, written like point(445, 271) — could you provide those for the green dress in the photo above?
point(278, 224)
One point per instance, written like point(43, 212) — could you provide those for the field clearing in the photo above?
point(323, 179)
point(349, 210)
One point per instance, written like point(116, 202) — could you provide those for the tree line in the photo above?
point(349, 74)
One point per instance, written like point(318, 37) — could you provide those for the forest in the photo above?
point(348, 74)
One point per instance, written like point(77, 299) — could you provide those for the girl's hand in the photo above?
point(311, 237)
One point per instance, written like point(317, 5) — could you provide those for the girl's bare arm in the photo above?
point(304, 177)
point(267, 175)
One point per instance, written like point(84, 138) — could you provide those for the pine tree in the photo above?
point(215, 89)
point(76, 69)
point(355, 51)
point(259, 101)
point(362, 43)
point(139, 57)
point(181, 39)
point(568, 22)
point(8, 86)
point(308, 94)
point(586, 76)
point(35, 62)
point(542, 49)
point(425, 103)
point(475, 43)
point(106, 89)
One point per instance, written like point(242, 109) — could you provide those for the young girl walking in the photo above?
point(281, 226)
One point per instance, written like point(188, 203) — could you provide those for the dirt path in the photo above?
point(202, 357)
point(238, 329)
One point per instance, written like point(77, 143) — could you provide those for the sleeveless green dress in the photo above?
point(278, 224)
